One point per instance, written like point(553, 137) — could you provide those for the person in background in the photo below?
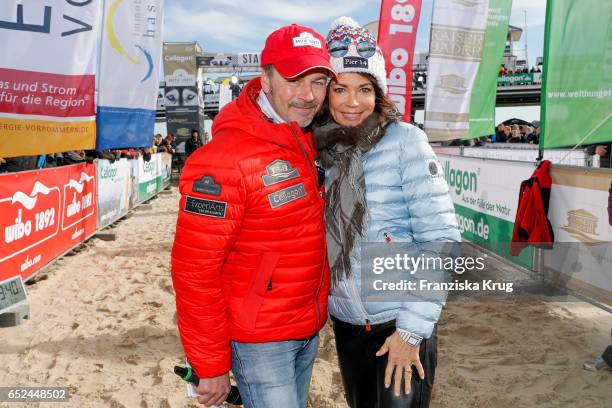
point(603, 151)
point(169, 143)
point(194, 143)
point(515, 135)
point(534, 137)
point(157, 144)
point(500, 136)
point(16, 164)
point(525, 131)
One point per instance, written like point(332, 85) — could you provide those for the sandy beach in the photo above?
point(102, 324)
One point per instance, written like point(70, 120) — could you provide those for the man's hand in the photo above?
point(213, 391)
point(601, 150)
point(401, 357)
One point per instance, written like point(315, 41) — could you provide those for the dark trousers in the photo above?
point(363, 374)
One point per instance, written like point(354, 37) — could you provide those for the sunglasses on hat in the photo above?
point(339, 49)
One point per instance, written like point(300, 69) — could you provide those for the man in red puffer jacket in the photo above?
point(249, 265)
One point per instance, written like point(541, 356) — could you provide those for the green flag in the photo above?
point(577, 82)
point(482, 104)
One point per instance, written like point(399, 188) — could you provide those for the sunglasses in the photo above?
point(339, 49)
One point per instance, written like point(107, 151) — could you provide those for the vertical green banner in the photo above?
point(482, 104)
point(577, 83)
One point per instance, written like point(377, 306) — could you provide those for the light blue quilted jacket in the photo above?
point(408, 200)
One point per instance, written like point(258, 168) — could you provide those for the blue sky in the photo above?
point(243, 25)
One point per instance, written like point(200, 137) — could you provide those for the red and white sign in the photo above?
point(397, 31)
point(42, 214)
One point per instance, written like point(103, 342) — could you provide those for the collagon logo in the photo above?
point(461, 180)
point(145, 26)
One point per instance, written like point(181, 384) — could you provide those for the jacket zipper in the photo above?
point(316, 184)
point(312, 172)
point(359, 303)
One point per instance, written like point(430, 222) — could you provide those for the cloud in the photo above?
point(182, 24)
point(228, 23)
point(315, 11)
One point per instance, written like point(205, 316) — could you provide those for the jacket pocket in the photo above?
point(257, 290)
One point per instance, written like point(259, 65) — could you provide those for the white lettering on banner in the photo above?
point(151, 188)
point(18, 230)
point(28, 263)
point(44, 219)
point(87, 201)
point(402, 15)
point(466, 224)
point(74, 207)
point(77, 233)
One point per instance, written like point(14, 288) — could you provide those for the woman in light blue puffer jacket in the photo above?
point(384, 185)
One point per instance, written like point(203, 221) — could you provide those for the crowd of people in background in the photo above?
point(519, 70)
point(25, 163)
point(517, 134)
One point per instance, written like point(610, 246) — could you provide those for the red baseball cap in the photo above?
point(295, 49)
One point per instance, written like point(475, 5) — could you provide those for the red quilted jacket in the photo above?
point(249, 261)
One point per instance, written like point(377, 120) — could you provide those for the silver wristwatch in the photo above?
point(411, 339)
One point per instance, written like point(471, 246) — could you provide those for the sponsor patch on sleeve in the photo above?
point(286, 195)
point(207, 185)
point(435, 169)
point(208, 208)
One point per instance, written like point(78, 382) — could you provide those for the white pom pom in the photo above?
point(343, 21)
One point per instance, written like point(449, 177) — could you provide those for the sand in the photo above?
point(102, 323)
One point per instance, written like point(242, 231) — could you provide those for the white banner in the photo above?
point(456, 46)
point(581, 258)
point(485, 194)
point(249, 59)
point(225, 95)
point(47, 75)
point(129, 72)
point(114, 184)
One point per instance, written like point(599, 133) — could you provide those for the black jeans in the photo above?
point(363, 374)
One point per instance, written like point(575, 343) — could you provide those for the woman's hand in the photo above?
point(401, 357)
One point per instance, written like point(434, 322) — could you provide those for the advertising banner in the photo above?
point(148, 178)
point(484, 93)
point(43, 214)
point(455, 48)
point(131, 44)
point(517, 79)
point(47, 76)
point(113, 190)
point(183, 102)
point(397, 32)
point(134, 185)
point(577, 84)
point(581, 258)
point(485, 194)
point(249, 59)
point(180, 67)
point(165, 167)
point(180, 121)
point(217, 62)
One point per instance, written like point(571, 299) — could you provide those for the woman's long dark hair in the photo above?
point(383, 105)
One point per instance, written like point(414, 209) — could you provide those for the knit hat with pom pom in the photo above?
point(353, 49)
